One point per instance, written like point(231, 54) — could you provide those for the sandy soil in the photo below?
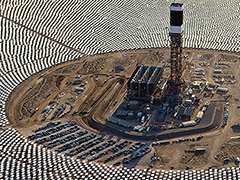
point(101, 77)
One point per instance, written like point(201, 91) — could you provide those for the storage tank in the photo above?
point(220, 89)
point(133, 105)
point(188, 102)
point(130, 115)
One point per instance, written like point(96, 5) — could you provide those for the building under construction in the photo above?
point(176, 33)
point(143, 81)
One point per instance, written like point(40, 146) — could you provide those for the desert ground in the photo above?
point(103, 79)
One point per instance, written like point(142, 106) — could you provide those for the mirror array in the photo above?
point(36, 35)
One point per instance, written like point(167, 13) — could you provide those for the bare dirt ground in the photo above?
point(104, 80)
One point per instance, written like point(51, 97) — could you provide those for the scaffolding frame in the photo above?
point(175, 80)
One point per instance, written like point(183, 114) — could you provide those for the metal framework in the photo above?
point(176, 61)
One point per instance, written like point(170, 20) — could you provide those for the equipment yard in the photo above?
point(94, 110)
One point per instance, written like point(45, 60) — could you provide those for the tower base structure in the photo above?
point(175, 81)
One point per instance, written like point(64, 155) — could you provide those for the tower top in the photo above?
point(176, 7)
point(177, 4)
point(176, 18)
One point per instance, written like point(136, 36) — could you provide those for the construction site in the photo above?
point(172, 108)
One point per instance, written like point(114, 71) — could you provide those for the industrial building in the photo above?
point(143, 81)
point(185, 112)
point(188, 112)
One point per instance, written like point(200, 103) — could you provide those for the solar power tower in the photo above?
point(176, 33)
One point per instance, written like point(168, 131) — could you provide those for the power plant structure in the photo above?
point(142, 84)
point(143, 81)
point(176, 33)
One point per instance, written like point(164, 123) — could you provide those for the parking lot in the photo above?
point(72, 140)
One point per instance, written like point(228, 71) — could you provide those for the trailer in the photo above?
point(199, 116)
point(188, 123)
